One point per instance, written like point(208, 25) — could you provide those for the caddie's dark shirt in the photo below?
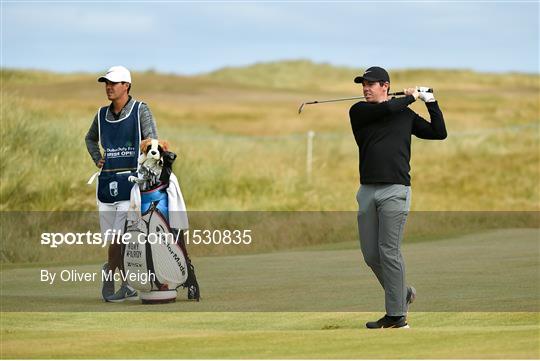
point(383, 134)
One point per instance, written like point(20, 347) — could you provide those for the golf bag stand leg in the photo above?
point(191, 283)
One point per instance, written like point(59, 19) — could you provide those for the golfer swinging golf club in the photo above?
point(382, 129)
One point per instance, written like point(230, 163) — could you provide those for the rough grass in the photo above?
point(242, 145)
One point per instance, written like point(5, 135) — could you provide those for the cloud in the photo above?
point(75, 18)
point(204, 36)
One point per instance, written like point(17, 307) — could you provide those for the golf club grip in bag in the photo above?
point(158, 255)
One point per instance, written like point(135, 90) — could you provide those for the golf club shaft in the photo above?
point(430, 90)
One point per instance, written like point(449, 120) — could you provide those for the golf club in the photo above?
point(424, 89)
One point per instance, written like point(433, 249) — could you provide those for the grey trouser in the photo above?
point(382, 213)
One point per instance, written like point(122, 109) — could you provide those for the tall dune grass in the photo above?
point(243, 147)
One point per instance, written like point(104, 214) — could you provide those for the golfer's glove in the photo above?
point(424, 95)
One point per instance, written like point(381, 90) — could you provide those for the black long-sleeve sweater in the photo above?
point(383, 134)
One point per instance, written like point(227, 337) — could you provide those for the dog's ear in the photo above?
point(164, 145)
point(145, 144)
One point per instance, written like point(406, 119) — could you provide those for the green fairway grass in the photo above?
point(433, 335)
point(473, 278)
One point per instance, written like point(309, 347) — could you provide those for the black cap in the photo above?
point(374, 73)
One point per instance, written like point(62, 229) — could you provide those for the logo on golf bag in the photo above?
point(113, 188)
point(164, 259)
point(133, 251)
point(176, 257)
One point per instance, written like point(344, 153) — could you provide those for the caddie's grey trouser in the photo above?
point(382, 212)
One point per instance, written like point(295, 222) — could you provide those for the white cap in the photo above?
point(116, 74)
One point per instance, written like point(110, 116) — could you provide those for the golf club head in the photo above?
point(301, 108)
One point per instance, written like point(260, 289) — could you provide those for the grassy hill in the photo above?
point(309, 76)
point(300, 74)
point(242, 144)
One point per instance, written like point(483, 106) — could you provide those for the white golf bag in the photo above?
point(155, 250)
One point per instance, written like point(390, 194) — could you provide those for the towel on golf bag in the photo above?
point(152, 250)
point(177, 216)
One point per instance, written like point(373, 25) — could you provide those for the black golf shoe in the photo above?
point(411, 295)
point(389, 322)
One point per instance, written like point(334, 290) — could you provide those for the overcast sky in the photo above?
point(194, 37)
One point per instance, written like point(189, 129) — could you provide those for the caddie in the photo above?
point(119, 129)
point(382, 129)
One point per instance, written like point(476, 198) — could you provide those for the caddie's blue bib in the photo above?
point(120, 140)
